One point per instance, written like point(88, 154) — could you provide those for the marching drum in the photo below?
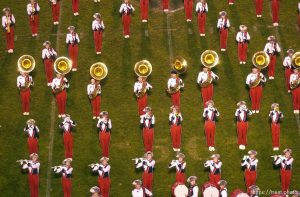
point(238, 193)
point(179, 190)
point(210, 190)
point(277, 195)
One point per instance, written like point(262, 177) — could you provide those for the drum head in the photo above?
point(209, 190)
point(238, 193)
point(181, 191)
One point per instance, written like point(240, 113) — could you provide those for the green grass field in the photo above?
point(120, 56)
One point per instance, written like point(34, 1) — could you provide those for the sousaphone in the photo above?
point(26, 63)
point(98, 71)
point(260, 59)
point(179, 65)
point(209, 59)
point(143, 68)
point(62, 65)
point(296, 60)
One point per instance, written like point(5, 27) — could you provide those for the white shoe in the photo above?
point(244, 62)
point(275, 24)
point(244, 147)
point(98, 53)
point(144, 21)
point(76, 13)
point(59, 116)
point(231, 3)
point(178, 149)
point(49, 84)
point(275, 149)
point(209, 148)
point(126, 36)
point(296, 111)
point(212, 148)
point(271, 78)
point(63, 115)
point(241, 147)
point(253, 111)
point(258, 16)
point(289, 91)
point(98, 117)
point(188, 20)
point(74, 69)
point(35, 35)
point(223, 49)
point(202, 35)
point(257, 111)
point(166, 10)
point(241, 62)
point(94, 117)
point(95, 1)
point(24, 113)
point(174, 149)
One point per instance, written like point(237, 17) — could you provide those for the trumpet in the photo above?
point(58, 169)
point(95, 166)
point(138, 162)
point(173, 163)
point(281, 157)
point(207, 163)
point(245, 157)
point(22, 161)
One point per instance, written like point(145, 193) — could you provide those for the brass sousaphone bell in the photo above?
point(296, 60)
point(209, 58)
point(261, 59)
point(98, 71)
point(179, 65)
point(143, 68)
point(26, 63)
point(62, 65)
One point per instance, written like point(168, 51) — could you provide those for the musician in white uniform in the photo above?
point(59, 86)
point(148, 165)
point(272, 49)
point(94, 94)
point(193, 188)
point(287, 64)
point(33, 10)
point(140, 191)
point(48, 55)
point(67, 128)
point(223, 26)
point(104, 127)
point(214, 165)
point(253, 191)
point(66, 180)
point(24, 82)
point(249, 163)
point(243, 39)
point(33, 174)
point(140, 89)
point(8, 25)
point(275, 118)
point(201, 9)
point(104, 176)
point(223, 190)
point(72, 40)
point(95, 190)
point(33, 134)
point(98, 29)
point(294, 83)
point(55, 5)
point(175, 84)
point(126, 9)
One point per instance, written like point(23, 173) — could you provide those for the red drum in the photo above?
point(210, 190)
point(179, 190)
point(238, 193)
point(277, 195)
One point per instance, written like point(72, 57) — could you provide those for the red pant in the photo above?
point(61, 100)
point(272, 64)
point(148, 137)
point(144, 4)
point(104, 139)
point(67, 186)
point(207, 93)
point(104, 185)
point(180, 177)
point(176, 135)
point(34, 23)
point(188, 7)
point(288, 73)
point(255, 95)
point(176, 99)
point(259, 6)
point(165, 4)
point(33, 185)
point(32, 145)
point(214, 178)
point(68, 143)
point(142, 103)
point(230, 1)
point(223, 38)
point(286, 176)
point(296, 98)
point(96, 103)
point(148, 180)
point(25, 100)
point(201, 22)
point(55, 12)
point(73, 54)
point(126, 24)
point(10, 43)
point(275, 11)
point(75, 6)
point(275, 127)
point(98, 40)
point(242, 128)
point(210, 131)
point(242, 51)
point(49, 69)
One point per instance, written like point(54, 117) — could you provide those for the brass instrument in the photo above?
point(98, 71)
point(209, 58)
point(26, 64)
point(142, 69)
point(8, 24)
point(295, 84)
point(62, 65)
point(175, 89)
point(260, 59)
point(207, 82)
point(296, 60)
point(179, 65)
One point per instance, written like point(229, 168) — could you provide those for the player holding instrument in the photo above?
point(55, 6)
point(214, 164)
point(275, 118)
point(249, 163)
point(180, 166)
point(59, 86)
point(98, 29)
point(175, 84)
point(94, 94)
point(201, 9)
point(72, 40)
point(104, 128)
point(139, 190)
point(48, 55)
point(33, 134)
point(175, 121)
point(144, 5)
point(8, 24)
point(126, 10)
point(193, 189)
point(287, 64)
point(188, 7)
point(223, 190)
point(66, 127)
point(24, 82)
point(242, 38)
point(294, 84)
point(210, 115)
point(272, 49)
point(223, 26)
point(140, 89)
point(33, 9)
point(147, 122)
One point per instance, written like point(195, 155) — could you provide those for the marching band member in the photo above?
point(126, 10)
point(175, 121)
point(230, 2)
point(148, 165)
point(223, 25)
point(294, 83)
point(75, 7)
point(104, 177)
point(33, 174)
point(147, 122)
point(174, 86)
point(55, 11)
point(94, 93)
point(140, 89)
point(242, 114)
point(165, 4)
point(98, 28)
point(255, 80)
point(287, 64)
point(33, 134)
point(66, 177)
point(201, 9)
point(104, 128)
point(188, 7)
point(48, 55)
point(205, 80)
point(8, 24)
point(72, 40)
point(253, 191)
point(215, 168)
point(144, 5)
point(223, 190)
point(180, 166)
point(95, 190)
point(140, 191)
point(210, 114)
point(285, 161)
point(272, 49)
point(59, 86)
point(249, 163)
point(259, 8)
point(33, 9)
point(242, 38)
point(66, 127)
point(275, 12)
point(193, 189)
point(275, 118)
point(24, 81)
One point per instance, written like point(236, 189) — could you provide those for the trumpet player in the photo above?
point(175, 121)
point(222, 187)
point(242, 114)
point(48, 55)
point(272, 49)
point(249, 163)
point(193, 189)
point(147, 122)
point(223, 26)
point(94, 94)
point(104, 176)
point(72, 40)
point(126, 10)
point(188, 7)
point(95, 191)
point(33, 9)
point(24, 82)
point(140, 89)
point(287, 64)
point(201, 10)
point(275, 119)
point(242, 38)
point(66, 126)
point(174, 86)
point(98, 29)
point(253, 191)
point(205, 80)
point(8, 24)
point(210, 115)
point(148, 166)
point(255, 81)
point(59, 86)
point(214, 165)
point(55, 6)
point(180, 166)
point(285, 162)
point(33, 134)
point(104, 128)
point(275, 12)
point(139, 190)
point(66, 178)
point(294, 83)
point(144, 5)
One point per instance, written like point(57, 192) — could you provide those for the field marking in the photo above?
point(170, 44)
point(176, 10)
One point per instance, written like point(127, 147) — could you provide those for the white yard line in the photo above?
point(176, 10)
point(170, 39)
